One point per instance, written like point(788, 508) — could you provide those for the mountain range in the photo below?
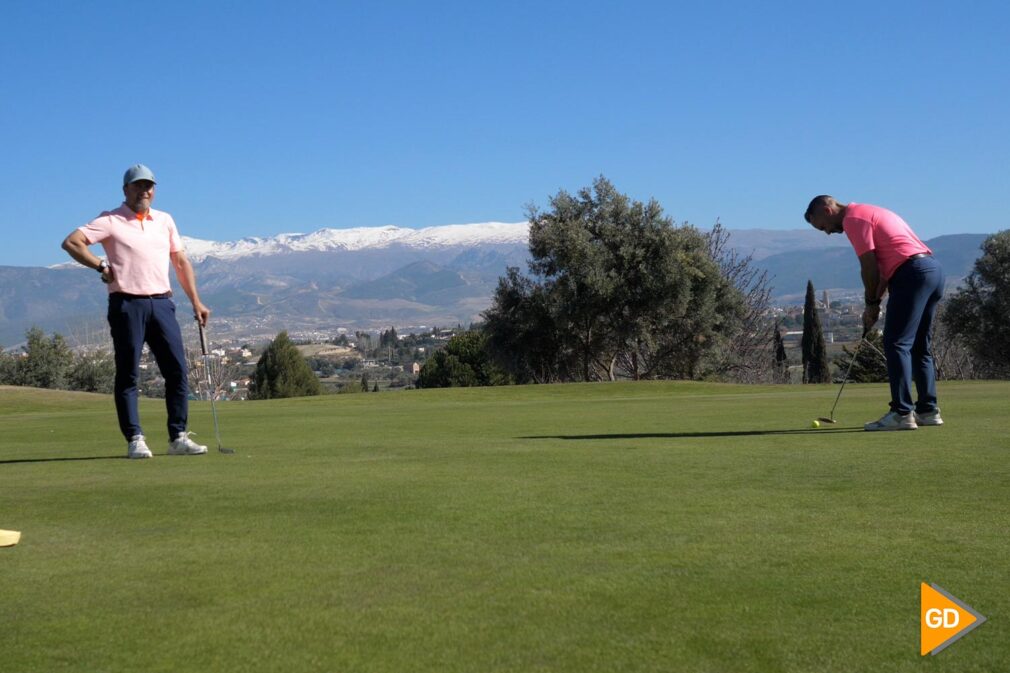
point(375, 277)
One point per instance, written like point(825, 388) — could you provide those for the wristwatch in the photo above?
point(102, 266)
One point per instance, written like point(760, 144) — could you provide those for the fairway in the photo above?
point(600, 527)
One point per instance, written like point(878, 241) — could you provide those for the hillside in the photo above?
point(370, 278)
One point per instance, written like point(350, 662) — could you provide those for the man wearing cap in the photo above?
point(140, 243)
point(893, 259)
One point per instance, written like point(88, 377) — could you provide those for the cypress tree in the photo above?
point(816, 368)
point(781, 367)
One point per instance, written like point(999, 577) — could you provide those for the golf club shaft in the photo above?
point(213, 405)
point(877, 351)
point(210, 382)
point(845, 379)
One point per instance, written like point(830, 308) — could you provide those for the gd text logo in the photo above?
point(943, 619)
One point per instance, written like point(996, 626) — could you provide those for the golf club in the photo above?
point(210, 386)
point(877, 351)
point(845, 379)
point(9, 538)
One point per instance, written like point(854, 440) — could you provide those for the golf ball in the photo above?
point(815, 424)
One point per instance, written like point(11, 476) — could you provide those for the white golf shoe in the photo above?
point(184, 446)
point(137, 448)
point(929, 418)
point(892, 420)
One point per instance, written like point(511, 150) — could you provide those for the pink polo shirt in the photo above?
point(138, 251)
point(878, 229)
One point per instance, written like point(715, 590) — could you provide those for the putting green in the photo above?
point(631, 526)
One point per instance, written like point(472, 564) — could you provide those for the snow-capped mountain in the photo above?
point(321, 280)
point(381, 276)
point(362, 238)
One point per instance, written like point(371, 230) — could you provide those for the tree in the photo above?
point(746, 357)
point(93, 373)
point(781, 366)
point(522, 333)
point(45, 361)
point(464, 362)
point(283, 372)
point(221, 374)
point(364, 341)
point(870, 366)
point(952, 358)
point(816, 368)
point(979, 314)
point(8, 369)
point(389, 338)
point(675, 310)
point(615, 289)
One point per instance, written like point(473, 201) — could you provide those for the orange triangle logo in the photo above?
point(943, 619)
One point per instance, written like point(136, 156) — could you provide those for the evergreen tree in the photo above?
point(464, 362)
point(389, 338)
point(283, 372)
point(816, 368)
point(781, 366)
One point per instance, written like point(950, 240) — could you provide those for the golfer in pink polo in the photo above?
point(140, 244)
point(893, 260)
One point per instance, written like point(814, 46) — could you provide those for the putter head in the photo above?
point(222, 449)
point(822, 419)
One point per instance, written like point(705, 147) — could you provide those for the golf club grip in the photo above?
point(203, 338)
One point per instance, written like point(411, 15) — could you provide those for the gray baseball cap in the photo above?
point(138, 172)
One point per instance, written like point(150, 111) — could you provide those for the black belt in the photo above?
point(918, 255)
point(127, 295)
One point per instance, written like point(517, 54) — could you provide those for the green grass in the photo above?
point(611, 527)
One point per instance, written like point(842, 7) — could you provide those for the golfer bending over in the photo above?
point(139, 243)
point(892, 258)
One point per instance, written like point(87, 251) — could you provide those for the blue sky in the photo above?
point(267, 117)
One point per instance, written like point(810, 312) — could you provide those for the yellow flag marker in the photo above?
point(943, 619)
point(9, 538)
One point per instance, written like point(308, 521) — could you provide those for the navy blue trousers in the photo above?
point(133, 321)
point(915, 288)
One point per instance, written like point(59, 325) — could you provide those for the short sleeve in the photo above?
point(174, 239)
point(860, 233)
point(97, 230)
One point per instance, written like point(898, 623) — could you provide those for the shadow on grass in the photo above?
point(692, 435)
point(58, 460)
